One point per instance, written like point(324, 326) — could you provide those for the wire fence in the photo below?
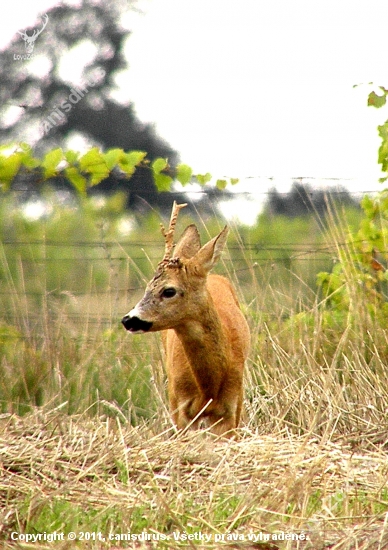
point(255, 253)
point(45, 271)
point(29, 284)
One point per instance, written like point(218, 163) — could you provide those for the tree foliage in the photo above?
point(45, 107)
point(41, 111)
point(302, 200)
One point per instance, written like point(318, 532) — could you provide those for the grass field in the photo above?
point(64, 474)
point(87, 444)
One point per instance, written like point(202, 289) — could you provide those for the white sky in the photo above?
point(255, 87)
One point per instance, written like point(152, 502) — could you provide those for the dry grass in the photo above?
point(62, 473)
point(99, 454)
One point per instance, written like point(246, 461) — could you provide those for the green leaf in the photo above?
point(98, 174)
point(233, 181)
point(383, 131)
point(113, 157)
point(368, 205)
point(183, 173)
point(203, 179)
point(128, 169)
point(128, 161)
point(383, 156)
point(9, 167)
point(221, 184)
point(322, 278)
point(136, 157)
point(92, 157)
point(27, 158)
point(50, 163)
point(93, 162)
point(158, 165)
point(71, 157)
point(126, 166)
point(377, 101)
point(29, 161)
point(163, 182)
point(77, 179)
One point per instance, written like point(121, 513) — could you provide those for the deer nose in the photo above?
point(134, 324)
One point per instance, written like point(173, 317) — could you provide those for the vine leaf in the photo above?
point(184, 174)
point(162, 180)
point(9, 167)
point(93, 163)
point(203, 179)
point(377, 101)
point(76, 178)
point(50, 163)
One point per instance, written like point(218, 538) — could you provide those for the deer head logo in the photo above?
point(29, 41)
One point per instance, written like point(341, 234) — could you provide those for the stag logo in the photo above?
point(29, 41)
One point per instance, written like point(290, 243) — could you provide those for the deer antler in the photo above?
point(169, 235)
point(36, 32)
point(45, 21)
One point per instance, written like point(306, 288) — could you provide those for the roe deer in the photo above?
point(206, 336)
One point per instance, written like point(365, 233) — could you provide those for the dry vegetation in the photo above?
point(63, 473)
point(87, 445)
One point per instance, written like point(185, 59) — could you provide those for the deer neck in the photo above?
point(206, 348)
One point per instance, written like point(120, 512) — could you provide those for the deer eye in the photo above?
point(168, 293)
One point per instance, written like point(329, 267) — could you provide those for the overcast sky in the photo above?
point(254, 88)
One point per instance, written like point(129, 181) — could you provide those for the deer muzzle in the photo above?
point(134, 324)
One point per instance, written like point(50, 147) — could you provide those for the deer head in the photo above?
point(178, 287)
point(29, 41)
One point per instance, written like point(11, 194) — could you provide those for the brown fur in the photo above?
point(205, 334)
point(205, 361)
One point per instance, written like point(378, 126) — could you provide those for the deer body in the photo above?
point(205, 334)
point(205, 360)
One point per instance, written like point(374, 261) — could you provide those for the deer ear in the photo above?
point(188, 244)
point(211, 252)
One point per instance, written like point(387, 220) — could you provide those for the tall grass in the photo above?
point(68, 277)
point(77, 388)
point(322, 369)
point(67, 280)
point(65, 283)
